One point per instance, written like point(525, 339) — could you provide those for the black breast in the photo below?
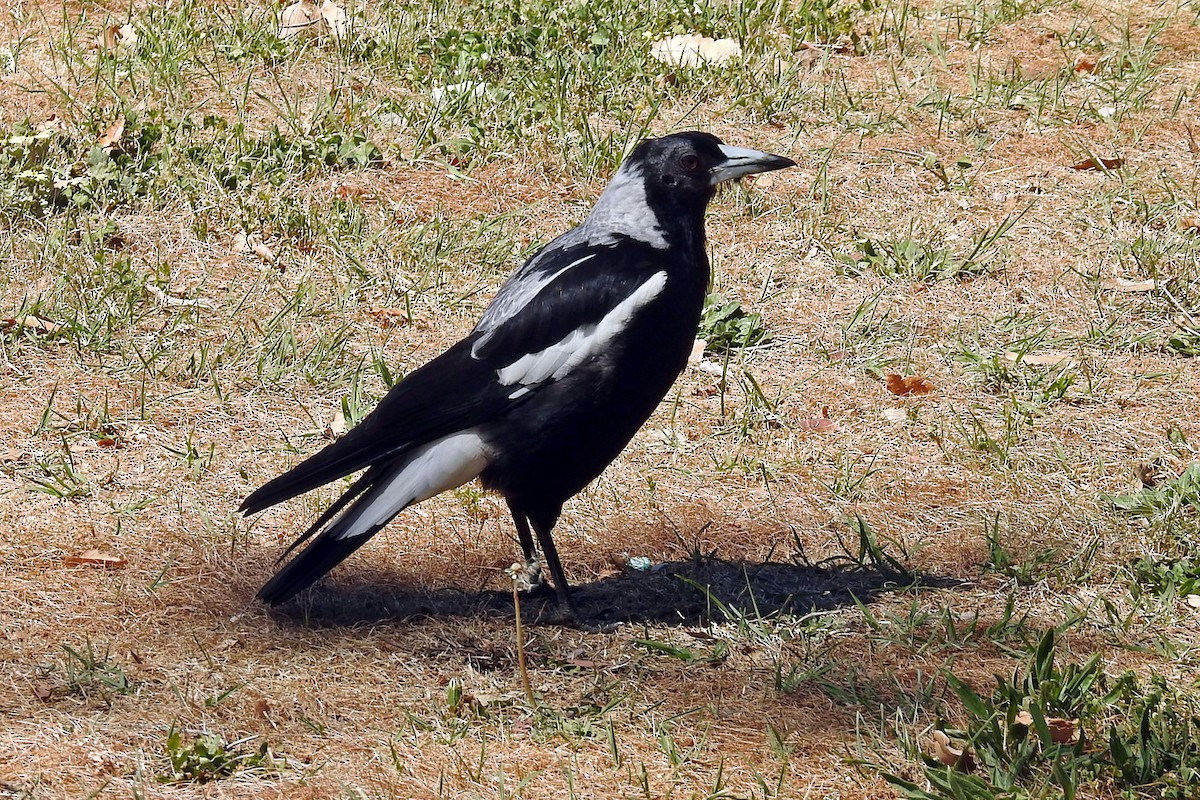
point(569, 431)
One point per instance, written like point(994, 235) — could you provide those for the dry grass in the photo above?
point(362, 710)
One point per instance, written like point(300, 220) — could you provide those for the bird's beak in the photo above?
point(741, 161)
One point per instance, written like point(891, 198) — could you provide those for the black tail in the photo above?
point(314, 471)
point(337, 460)
point(327, 550)
point(307, 568)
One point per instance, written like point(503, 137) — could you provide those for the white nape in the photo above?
point(623, 210)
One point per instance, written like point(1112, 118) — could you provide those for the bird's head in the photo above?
point(693, 162)
point(663, 187)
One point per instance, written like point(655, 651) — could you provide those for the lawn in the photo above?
point(920, 520)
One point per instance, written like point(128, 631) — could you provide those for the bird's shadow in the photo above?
point(695, 591)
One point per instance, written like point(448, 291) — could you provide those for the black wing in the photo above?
point(576, 297)
point(461, 388)
point(451, 392)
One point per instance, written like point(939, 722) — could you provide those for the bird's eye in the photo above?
point(690, 162)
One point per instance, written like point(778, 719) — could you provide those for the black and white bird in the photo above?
point(570, 358)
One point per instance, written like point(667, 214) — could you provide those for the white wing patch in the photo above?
point(557, 360)
point(514, 297)
point(444, 464)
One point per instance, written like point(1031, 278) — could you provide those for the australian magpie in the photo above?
point(570, 358)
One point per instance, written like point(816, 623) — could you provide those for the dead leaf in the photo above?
point(1190, 224)
point(345, 192)
point(128, 36)
point(95, 558)
point(1193, 600)
point(584, 663)
point(264, 252)
point(106, 441)
point(697, 633)
point(336, 426)
point(948, 754)
point(43, 692)
point(300, 18)
point(895, 415)
point(115, 36)
point(1085, 64)
point(388, 317)
point(110, 140)
point(697, 353)
point(32, 323)
point(11, 455)
point(1063, 731)
point(1098, 163)
point(307, 19)
point(337, 22)
point(262, 708)
point(809, 55)
point(1152, 474)
point(819, 424)
point(1046, 359)
point(1128, 286)
point(694, 50)
point(910, 386)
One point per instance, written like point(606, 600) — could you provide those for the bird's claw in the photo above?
point(530, 579)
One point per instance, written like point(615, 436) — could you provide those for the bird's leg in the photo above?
point(532, 576)
point(561, 587)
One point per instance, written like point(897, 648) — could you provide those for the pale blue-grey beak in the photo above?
point(741, 161)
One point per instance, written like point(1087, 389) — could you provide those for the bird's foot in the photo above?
point(566, 614)
point(529, 579)
point(558, 614)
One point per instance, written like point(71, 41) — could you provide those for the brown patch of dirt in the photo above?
point(352, 682)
